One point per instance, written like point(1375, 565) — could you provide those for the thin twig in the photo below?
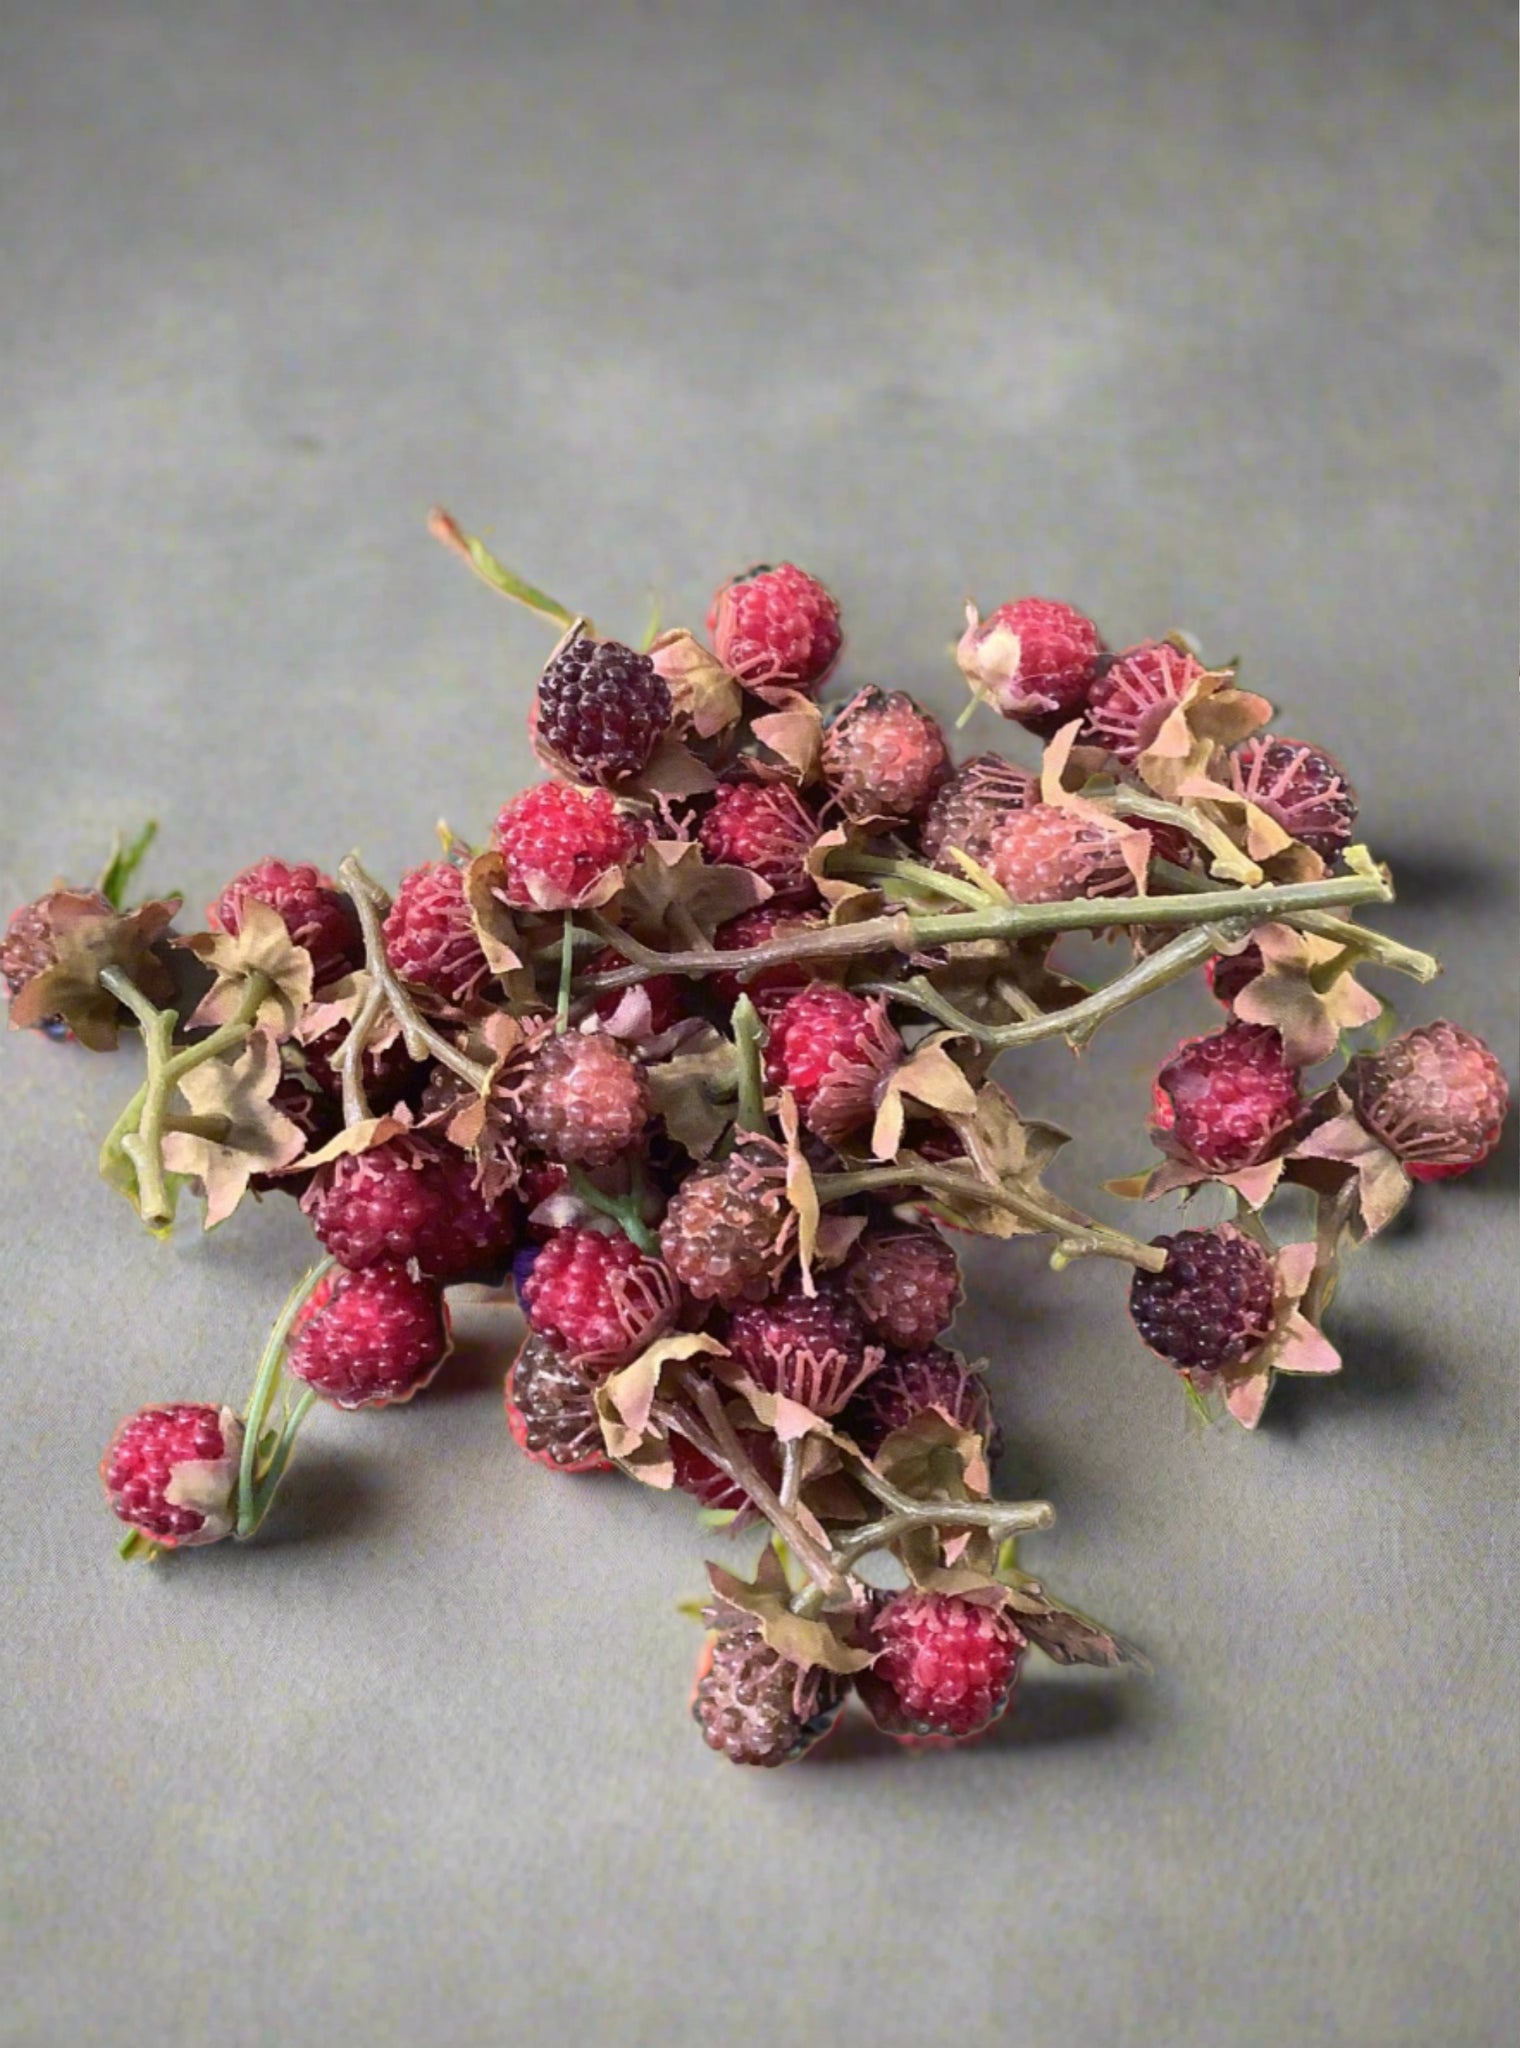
point(1078, 1236)
point(370, 901)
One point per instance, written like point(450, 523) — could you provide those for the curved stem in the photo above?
point(747, 1036)
point(265, 1380)
point(350, 1061)
point(370, 900)
point(1360, 938)
point(268, 1483)
point(957, 888)
point(900, 932)
point(1078, 1022)
point(1078, 1236)
point(1332, 1214)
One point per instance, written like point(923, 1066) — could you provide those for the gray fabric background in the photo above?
point(1201, 315)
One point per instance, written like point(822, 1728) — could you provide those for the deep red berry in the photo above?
point(1032, 659)
point(601, 710)
point(1302, 787)
point(753, 1705)
point(834, 1051)
point(1436, 1096)
point(551, 1410)
point(1228, 1100)
point(969, 808)
point(172, 1472)
point(727, 1230)
point(563, 847)
point(884, 757)
point(776, 625)
point(765, 827)
point(408, 1200)
point(1131, 700)
point(598, 1298)
point(914, 1383)
point(1048, 854)
point(315, 911)
point(430, 937)
point(757, 928)
point(946, 1666)
point(584, 1100)
point(809, 1348)
point(665, 995)
point(906, 1284)
point(1211, 1305)
point(371, 1339)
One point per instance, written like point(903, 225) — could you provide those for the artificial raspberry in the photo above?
point(30, 945)
point(767, 828)
point(664, 993)
point(1436, 1096)
point(808, 1348)
point(551, 1410)
point(1229, 1099)
point(906, 1284)
point(172, 1472)
point(408, 1200)
point(1228, 973)
point(1032, 660)
point(1138, 690)
point(946, 1666)
point(1211, 1305)
point(754, 1705)
point(601, 710)
point(757, 928)
point(914, 1383)
point(1302, 787)
point(969, 807)
point(835, 1052)
point(563, 847)
point(584, 1100)
point(314, 910)
point(776, 625)
point(884, 757)
point(430, 937)
point(728, 1228)
point(1048, 854)
point(597, 1298)
point(371, 1339)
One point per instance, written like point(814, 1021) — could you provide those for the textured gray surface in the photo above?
point(1201, 315)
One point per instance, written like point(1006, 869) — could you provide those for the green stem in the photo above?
point(1369, 945)
point(566, 974)
point(1077, 1236)
point(747, 1038)
point(957, 888)
point(623, 1209)
point(903, 933)
point(268, 1483)
point(266, 1379)
point(1078, 1022)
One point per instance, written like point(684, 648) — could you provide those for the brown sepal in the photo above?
point(693, 1090)
point(803, 1642)
point(262, 946)
point(86, 940)
point(1309, 1019)
point(671, 889)
point(794, 734)
point(703, 695)
point(1383, 1185)
point(260, 1139)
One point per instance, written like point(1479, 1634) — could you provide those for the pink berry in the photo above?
point(776, 625)
point(172, 1472)
point(946, 1666)
point(907, 1285)
point(1048, 854)
point(371, 1339)
point(584, 1100)
point(315, 911)
point(1303, 788)
point(598, 1298)
point(884, 757)
point(1436, 1096)
point(765, 827)
point(562, 845)
point(1228, 1100)
point(1032, 659)
point(430, 937)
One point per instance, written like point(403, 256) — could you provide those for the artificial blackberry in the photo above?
point(884, 757)
point(371, 1339)
point(1228, 1100)
point(601, 710)
point(776, 626)
point(1211, 1305)
point(563, 847)
point(765, 827)
point(768, 985)
point(1302, 787)
point(1033, 660)
point(430, 937)
point(314, 909)
point(598, 1298)
point(809, 1348)
point(1136, 693)
point(551, 1410)
point(172, 1472)
point(751, 1703)
point(835, 1051)
point(1436, 1096)
point(1047, 854)
point(914, 1383)
point(409, 1200)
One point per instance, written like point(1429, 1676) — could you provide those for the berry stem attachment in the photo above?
point(1078, 1236)
point(748, 1033)
point(865, 866)
point(371, 902)
point(135, 1140)
point(625, 1210)
point(253, 1497)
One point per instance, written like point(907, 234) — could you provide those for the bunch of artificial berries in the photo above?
point(691, 1059)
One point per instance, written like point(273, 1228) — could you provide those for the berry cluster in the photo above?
point(691, 1060)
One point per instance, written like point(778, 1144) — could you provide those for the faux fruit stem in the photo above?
point(904, 933)
point(137, 1134)
point(1077, 1236)
point(256, 1488)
